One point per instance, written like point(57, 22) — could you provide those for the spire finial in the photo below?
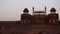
point(45, 9)
point(33, 9)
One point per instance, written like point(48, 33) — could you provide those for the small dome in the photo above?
point(25, 10)
point(53, 10)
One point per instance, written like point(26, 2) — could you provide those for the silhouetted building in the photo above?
point(39, 16)
point(14, 27)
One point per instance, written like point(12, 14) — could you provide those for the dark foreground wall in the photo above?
point(14, 27)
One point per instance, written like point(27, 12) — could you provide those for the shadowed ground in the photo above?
point(15, 27)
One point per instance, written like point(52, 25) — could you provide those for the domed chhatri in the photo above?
point(25, 10)
point(53, 9)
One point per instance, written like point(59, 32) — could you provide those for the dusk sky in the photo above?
point(11, 10)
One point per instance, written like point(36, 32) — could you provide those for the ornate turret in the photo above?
point(25, 17)
point(25, 11)
point(53, 16)
point(53, 9)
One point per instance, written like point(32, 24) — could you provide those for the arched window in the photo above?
point(24, 21)
point(28, 21)
point(21, 21)
point(50, 21)
point(54, 21)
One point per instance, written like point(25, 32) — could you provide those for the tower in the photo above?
point(53, 16)
point(25, 17)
